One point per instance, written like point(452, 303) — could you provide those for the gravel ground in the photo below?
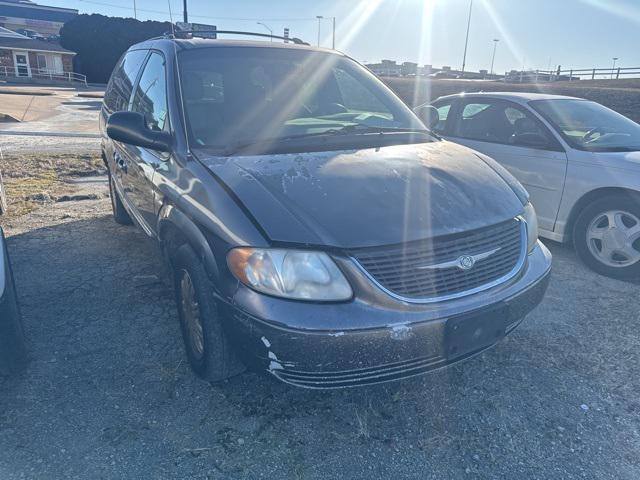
point(108, 393)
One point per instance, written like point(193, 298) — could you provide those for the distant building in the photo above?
point(386, 68)
point(32, 19)
point(409, 68)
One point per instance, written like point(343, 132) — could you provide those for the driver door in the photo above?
point(493, 126)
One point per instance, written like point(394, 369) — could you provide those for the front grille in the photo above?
point(396, 268)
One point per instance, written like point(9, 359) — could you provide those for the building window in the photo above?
point(49, 63)
point(42, 63)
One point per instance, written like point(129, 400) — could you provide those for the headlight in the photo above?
point(296, 274)
point(531, 220)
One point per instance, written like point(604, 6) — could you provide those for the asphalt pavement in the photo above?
point(108, 393)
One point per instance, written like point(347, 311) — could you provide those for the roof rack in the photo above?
point(207, 34)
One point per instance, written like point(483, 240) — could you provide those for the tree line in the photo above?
point(99, 41)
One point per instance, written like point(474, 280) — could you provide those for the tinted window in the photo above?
point(498, 122)
point(150, 97)
point(121, 84)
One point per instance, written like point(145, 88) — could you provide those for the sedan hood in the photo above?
point(367, 197)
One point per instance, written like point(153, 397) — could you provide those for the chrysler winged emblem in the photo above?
point(463, 262)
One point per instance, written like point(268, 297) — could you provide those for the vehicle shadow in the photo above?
point(85, 104)
point(108, 374)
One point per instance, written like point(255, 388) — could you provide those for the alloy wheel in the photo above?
point(613, 238)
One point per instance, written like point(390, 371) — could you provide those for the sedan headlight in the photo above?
point(531, 220)
point(295, 274)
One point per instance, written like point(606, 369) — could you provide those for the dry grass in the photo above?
point(31, 180)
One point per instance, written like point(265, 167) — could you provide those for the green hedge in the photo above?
point(99, 41)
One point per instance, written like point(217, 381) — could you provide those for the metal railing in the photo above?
point(571, 74)
point(43, 74)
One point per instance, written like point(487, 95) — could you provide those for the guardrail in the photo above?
point(570, 74)
point(44, 74)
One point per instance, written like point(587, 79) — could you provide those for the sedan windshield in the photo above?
point(247, 95)
point(586, 125)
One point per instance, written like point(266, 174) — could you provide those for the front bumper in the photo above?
point(408, 339)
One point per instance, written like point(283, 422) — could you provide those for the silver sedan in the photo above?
point(579, 160)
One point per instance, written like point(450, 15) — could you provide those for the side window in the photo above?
point(443, 115)
point(500, 122)
point(122, 79)
point(150, 96)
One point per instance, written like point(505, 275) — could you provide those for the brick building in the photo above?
point(25, 58)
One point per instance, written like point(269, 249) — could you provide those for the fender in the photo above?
point(192, 234)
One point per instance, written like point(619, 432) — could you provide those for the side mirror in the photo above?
point(428, 114)
point(131, 128)
point(533, 140)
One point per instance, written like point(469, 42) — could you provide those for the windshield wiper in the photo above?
point(346, 130)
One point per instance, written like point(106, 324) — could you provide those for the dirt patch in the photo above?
point(35, 179)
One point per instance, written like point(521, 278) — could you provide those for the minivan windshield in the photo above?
point(244, 95)
point(589, 126)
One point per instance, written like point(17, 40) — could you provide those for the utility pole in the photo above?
point(615, 59)
point(135, 10)
point(333, 45)
point(466, 42)
point(493, 58)
point(319, 17)
point(184, 11)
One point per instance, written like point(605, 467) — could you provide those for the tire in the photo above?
point(606, 236)
point(120, 214)
point(13, 352)
point(207, 346)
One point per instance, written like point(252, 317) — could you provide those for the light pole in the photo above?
point(319, 17)
point(493, 58)
point(333, 42)
point(615, 59)
point(267, 27)
point(184, 11)
point(466, 41)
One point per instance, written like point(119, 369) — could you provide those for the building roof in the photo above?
point(11, 43)
point(6, 33)
point(33, 11)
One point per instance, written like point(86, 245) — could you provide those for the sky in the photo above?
point(535, 34)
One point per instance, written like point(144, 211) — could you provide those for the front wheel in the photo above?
point(208, 348)
point(606, 236)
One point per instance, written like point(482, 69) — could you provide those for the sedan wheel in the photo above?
point(607, 236)
point(612, 238)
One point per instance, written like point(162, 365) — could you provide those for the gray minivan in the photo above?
point(315, 229)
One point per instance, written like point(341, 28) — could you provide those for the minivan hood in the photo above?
point(367, 197)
